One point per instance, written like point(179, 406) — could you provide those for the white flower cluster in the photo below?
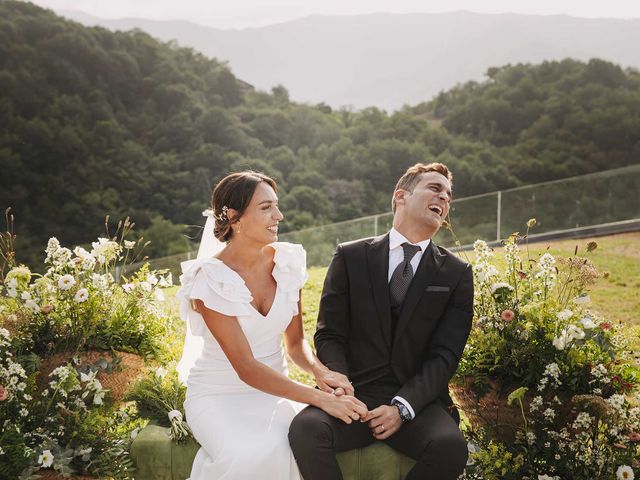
point(512, 257)
point(56, 255)
point(94, 386)
point(547, 269)
point(583, 421)
point(616, 402)
point(536, 403)
point(587, 323)
point(87, 260)
point(482, 269)
point(13, 378)
point(549, 414)
point(63, 372)
point(105, 250)
point(599, 373)
point(12, 287)
point(551, 376)
point(564, 315)
point(570, 333)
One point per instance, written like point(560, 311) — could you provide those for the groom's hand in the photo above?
point(334, 382)
point(383, 421)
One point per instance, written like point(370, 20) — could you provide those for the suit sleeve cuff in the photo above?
point(406, 404)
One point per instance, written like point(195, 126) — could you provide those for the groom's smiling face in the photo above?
point(428, 204)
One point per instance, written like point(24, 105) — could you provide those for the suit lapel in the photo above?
point(430, 263)
point(378, 264)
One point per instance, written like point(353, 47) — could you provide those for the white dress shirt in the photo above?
point(396, 257)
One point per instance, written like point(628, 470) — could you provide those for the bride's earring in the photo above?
point(238, 232)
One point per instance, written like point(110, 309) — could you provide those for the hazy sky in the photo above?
point(245, 13)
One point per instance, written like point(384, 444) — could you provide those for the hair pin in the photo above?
point(223, 215)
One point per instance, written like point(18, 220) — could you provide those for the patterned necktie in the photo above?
point(402, 275)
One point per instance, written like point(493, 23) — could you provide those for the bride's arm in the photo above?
point(301, 353)
point(233, 342)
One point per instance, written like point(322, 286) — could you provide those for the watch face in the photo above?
point(403, 411)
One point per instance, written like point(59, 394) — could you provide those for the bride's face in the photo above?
point(259, 222)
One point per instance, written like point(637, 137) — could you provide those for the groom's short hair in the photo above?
point(411, 177)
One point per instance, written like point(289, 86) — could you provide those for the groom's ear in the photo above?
point(399, 196)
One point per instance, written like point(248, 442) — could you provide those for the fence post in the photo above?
point(499, 216)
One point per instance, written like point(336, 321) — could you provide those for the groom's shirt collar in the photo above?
point(396, 254)
point(396, 239)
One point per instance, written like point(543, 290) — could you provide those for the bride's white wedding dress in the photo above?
point(242, 431)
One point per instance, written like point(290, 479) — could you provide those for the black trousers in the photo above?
point(432, 438)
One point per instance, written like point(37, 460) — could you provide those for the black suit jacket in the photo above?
point(354, 335)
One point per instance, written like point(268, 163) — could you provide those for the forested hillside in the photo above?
point(94, 122)
point(550, 120)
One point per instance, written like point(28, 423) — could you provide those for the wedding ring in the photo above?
point(382, 428)
point(355, 416)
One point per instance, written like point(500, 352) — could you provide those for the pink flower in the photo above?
point(47, 309)
point(507, 315)
point(3, 393)
point(605, 326)
point(634, 437)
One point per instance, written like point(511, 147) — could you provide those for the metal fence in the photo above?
point(610, 198)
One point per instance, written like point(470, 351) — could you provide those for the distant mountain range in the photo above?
point(388, 60)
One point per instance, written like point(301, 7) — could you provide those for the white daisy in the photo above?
point(624, 472)
point(81, 295)
point(65, 282)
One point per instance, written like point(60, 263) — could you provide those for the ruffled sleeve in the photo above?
point(290, 270)
point(219, 288)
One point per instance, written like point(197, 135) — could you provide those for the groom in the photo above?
point(394, 317)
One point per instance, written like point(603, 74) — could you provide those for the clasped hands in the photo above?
point(383, 421)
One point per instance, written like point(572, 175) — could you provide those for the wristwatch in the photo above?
point(405, 415)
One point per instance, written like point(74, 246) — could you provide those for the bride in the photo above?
point(240, 305)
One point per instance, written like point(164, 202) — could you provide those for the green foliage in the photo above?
point(495, 462)
point(550, 120)
point(160, 396)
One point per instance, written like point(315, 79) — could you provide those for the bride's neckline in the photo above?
point(244, 284)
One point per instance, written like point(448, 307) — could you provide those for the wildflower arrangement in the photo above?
point(565, 367)
point(68, 425)
point(77, 304)
point(159, 396)
point(65, 418)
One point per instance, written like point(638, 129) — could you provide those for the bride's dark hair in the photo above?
point(234, 192)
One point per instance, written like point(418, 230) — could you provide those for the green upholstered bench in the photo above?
point(377, 461)
point(158, 458)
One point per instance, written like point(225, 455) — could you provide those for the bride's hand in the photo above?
point(330, 381)
point(345, 407)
